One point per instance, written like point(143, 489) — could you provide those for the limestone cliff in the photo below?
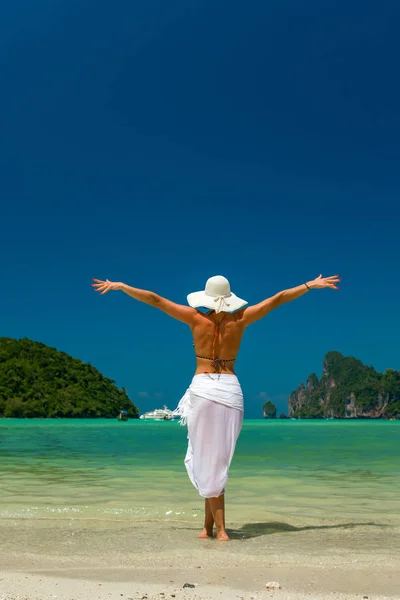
point(347, 389)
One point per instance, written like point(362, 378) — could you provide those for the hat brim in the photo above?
point(232, 303)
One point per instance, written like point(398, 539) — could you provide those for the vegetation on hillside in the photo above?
point(39, 381)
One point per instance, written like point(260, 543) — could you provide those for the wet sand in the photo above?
point(73, 560)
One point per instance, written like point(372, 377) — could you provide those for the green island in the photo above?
point(348, 389)
point(39, 381)
point(269, 410)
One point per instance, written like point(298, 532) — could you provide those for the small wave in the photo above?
point(89, 512)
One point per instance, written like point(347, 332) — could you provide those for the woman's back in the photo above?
point(217, 341)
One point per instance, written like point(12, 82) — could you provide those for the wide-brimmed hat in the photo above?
point(217, 296)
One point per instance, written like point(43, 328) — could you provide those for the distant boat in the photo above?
point(123, 415)
point(159, 414)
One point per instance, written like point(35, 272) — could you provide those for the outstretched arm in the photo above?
point(177, 311)
point(258, 311)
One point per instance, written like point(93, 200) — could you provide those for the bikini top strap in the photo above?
point(216, 332)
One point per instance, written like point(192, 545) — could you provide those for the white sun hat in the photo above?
point(217, 296)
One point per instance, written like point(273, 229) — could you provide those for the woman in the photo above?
point(213, 405)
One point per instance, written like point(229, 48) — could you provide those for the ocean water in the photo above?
point(303, 471)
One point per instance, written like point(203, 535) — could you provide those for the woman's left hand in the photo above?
point(325, 282)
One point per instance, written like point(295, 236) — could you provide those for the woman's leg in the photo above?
point(208, 520)
point(218, 510)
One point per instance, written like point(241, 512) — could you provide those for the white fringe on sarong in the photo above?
point(212, 408)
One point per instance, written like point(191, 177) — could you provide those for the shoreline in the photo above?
point(287, 417)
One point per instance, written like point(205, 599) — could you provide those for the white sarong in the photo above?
point(212, 407)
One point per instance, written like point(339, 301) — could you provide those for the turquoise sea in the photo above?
point(104, 469)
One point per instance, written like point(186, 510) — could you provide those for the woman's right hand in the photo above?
point(106, 286)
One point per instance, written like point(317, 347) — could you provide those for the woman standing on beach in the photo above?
point(212, 407)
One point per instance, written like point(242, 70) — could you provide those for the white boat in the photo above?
point(159, 414)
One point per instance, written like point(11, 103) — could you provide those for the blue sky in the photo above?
point(160, 143)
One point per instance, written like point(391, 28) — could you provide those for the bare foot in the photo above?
point(205, 534)
point(223, 537)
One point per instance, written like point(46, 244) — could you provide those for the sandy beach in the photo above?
point(19, 586)
point(77, 560)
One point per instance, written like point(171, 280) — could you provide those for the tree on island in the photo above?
point(39, 381)
point(269, 410)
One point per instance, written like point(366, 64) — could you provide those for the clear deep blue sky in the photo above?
point(160, 143)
